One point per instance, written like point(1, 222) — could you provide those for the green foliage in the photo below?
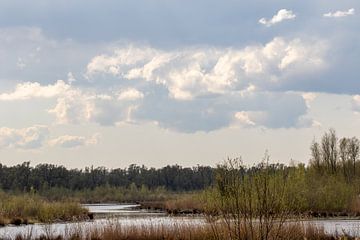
point(329, 193)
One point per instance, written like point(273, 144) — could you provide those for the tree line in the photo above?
point(24, 177)
point(331, 158)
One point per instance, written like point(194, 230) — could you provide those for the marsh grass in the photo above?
point(116, 231)
point(30, 208)
point(185, 203)
point(108, 194)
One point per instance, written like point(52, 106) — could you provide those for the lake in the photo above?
point(129, 215)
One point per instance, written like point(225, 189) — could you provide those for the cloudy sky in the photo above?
point(157, 82)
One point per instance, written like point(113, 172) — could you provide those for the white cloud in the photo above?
point(185, 90)
point(68, 141)
point(37, 136)
point(120, 61)
point(282, 15)
point(28, 90)
point(190, 73)
point(339, 14)
point(130, 94)
point(244, 118)
point(309, 97)
point(76, 105)
point(73, 105)
point(25, 138)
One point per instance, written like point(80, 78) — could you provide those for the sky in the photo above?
point(157, 82)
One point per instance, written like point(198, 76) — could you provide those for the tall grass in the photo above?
point(185, 203)
point(29, 208)
point(106, 194)
point(115, 231)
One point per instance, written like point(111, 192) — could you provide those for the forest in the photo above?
point(25, 178)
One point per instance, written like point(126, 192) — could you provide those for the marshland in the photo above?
point(179, 120)
point(319, 200)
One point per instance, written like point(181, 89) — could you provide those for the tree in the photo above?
point(344, 155)
point(316, 156)
point(251, 202)
point(353, 151)
point(329, 150)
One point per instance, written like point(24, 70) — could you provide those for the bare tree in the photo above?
point(344, 155)
point(354, 151)
point(316, 155)
point(329, 150)
point(251, 202)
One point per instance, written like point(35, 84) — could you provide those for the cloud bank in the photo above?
point(186, 90)
point(191, 73)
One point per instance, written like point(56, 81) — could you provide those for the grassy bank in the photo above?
point(218, 231)
point(30, 208)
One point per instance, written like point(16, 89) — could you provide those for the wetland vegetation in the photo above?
point(238, 201)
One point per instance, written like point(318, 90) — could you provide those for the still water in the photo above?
point(129, 215)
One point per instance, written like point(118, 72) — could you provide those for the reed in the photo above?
point(220, 231)
point(185, 203)
point(29, 208)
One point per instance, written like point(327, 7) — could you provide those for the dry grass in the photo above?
point(3, 221)
point(355, 205)
point(30, 208)
point(219, 231)
point(185, 203)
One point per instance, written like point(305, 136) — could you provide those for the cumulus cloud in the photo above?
point(69, 141)
point(282, 15)
point(270, 110)
point(27, 90)
point(186, 90)
point(339, 14)
point(73, 107)
point(309, 97)
point(76, 105)
point(248, 106)
point(130, 94)
point(25, 138)
point(244, 118)
point(191, 73)
point(72, 104)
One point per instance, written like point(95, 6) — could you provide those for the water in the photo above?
point(129, 215)
point(120, 210)
point(111, 208)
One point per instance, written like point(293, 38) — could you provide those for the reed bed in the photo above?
point(25, 209)
point(218, 231)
